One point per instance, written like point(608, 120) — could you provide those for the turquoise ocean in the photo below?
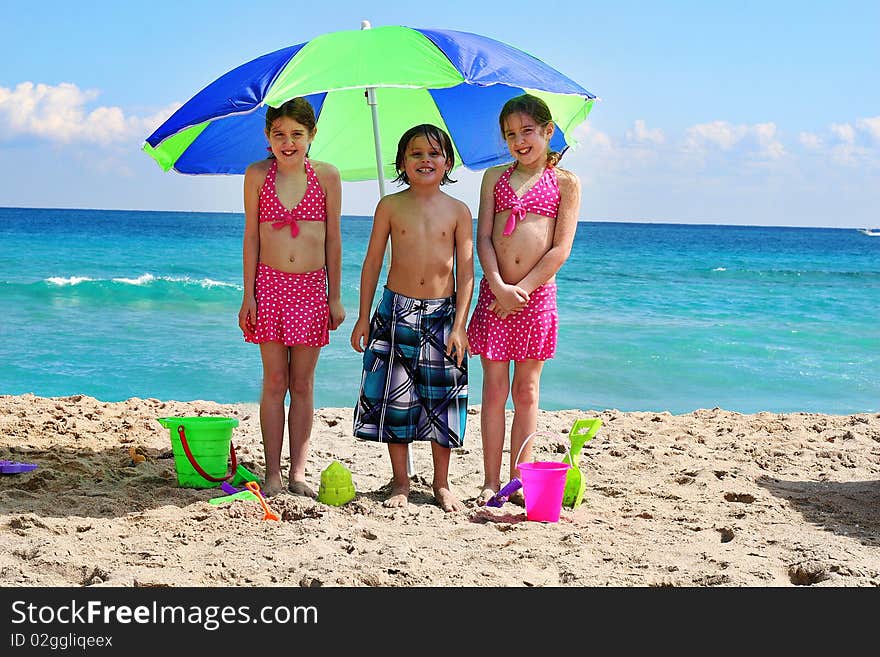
point(653, 317)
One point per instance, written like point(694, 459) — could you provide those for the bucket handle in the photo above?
point(529, 437)
point(192, 459)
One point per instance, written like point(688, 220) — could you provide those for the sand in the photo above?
point(708, 498)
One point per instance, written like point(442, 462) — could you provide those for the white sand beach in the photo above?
point(707, 498)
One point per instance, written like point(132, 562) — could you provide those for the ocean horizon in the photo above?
point(653, 316)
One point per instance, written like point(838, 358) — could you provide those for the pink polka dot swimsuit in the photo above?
point(531, 333)
point(292, 307)
point(312, 206)
point(542, 198)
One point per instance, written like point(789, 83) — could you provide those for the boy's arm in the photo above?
point(464, 266)
point(457, 346)
point(330, 181)
point(563, 234)
point(370, 272)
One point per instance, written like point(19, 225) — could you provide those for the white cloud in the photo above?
point(844, 132)
point(720, 134)
point(640, 133)
point(587, 136)
point(60, 114)
point(725, 136)
point(770, 146)
point(810, 140)
point(871, 126)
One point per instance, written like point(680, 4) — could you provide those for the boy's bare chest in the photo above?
point(421, 228)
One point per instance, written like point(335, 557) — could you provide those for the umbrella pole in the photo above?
point(380, 176)
point(377, 142)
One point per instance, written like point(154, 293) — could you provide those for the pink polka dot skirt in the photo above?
point(292, 308)
point(529, 334)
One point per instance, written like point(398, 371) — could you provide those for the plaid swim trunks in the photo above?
point(410, 389)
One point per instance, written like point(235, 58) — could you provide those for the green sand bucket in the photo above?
point(202, 447)
point(581, 432)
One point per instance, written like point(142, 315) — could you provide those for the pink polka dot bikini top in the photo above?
point(542, 198)
point(312, 206)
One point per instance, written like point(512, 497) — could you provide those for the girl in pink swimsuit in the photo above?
point(525, 228)
point(292, 268)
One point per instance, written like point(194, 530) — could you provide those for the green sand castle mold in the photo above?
point(336, 487)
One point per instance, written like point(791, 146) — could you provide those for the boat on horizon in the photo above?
point(873, 232)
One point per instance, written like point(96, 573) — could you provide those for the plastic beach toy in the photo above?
point(254, 487)
point(11, 467)
point(336, 486)
point(582, 431)
point(242, 474)
point(202, 446)
point(543, 484)
point(240, 495)
point(499, 498)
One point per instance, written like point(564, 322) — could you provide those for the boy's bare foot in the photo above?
point(485, 495)
point(517, 498)
point(301, 488)
point(447, 499)
point(399, 496)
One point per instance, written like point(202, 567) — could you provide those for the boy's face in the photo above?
point(424, 161)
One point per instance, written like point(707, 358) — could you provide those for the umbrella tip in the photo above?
point(365, 25)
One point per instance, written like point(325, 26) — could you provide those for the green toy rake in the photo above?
point(581, 432)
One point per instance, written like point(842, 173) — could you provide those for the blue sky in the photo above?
point(730, 113)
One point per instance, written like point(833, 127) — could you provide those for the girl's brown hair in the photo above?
point(537, 109)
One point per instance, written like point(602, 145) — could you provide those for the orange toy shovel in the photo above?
point(254, 487)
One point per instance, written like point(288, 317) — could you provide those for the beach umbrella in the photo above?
point(368, 87)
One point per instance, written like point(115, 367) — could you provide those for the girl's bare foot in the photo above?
point(485, 495)
point(272, 486)
point(517, 498)
point(447, 499)
point(301, 488)
point(399, 496)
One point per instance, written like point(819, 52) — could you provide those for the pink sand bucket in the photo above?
point(543, 485)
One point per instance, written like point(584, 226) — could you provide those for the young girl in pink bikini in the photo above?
point(292, 268)
point(525, 228)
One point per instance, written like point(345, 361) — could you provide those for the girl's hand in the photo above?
point(457, 346)
point(511, 298)
point(502, 313)
point(247, 316)
point(337, 314)
point(360, 334)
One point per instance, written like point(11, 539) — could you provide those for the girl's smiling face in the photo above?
point(289, 139)
point(527, 141)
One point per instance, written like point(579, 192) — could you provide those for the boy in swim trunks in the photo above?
point(414, 382)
